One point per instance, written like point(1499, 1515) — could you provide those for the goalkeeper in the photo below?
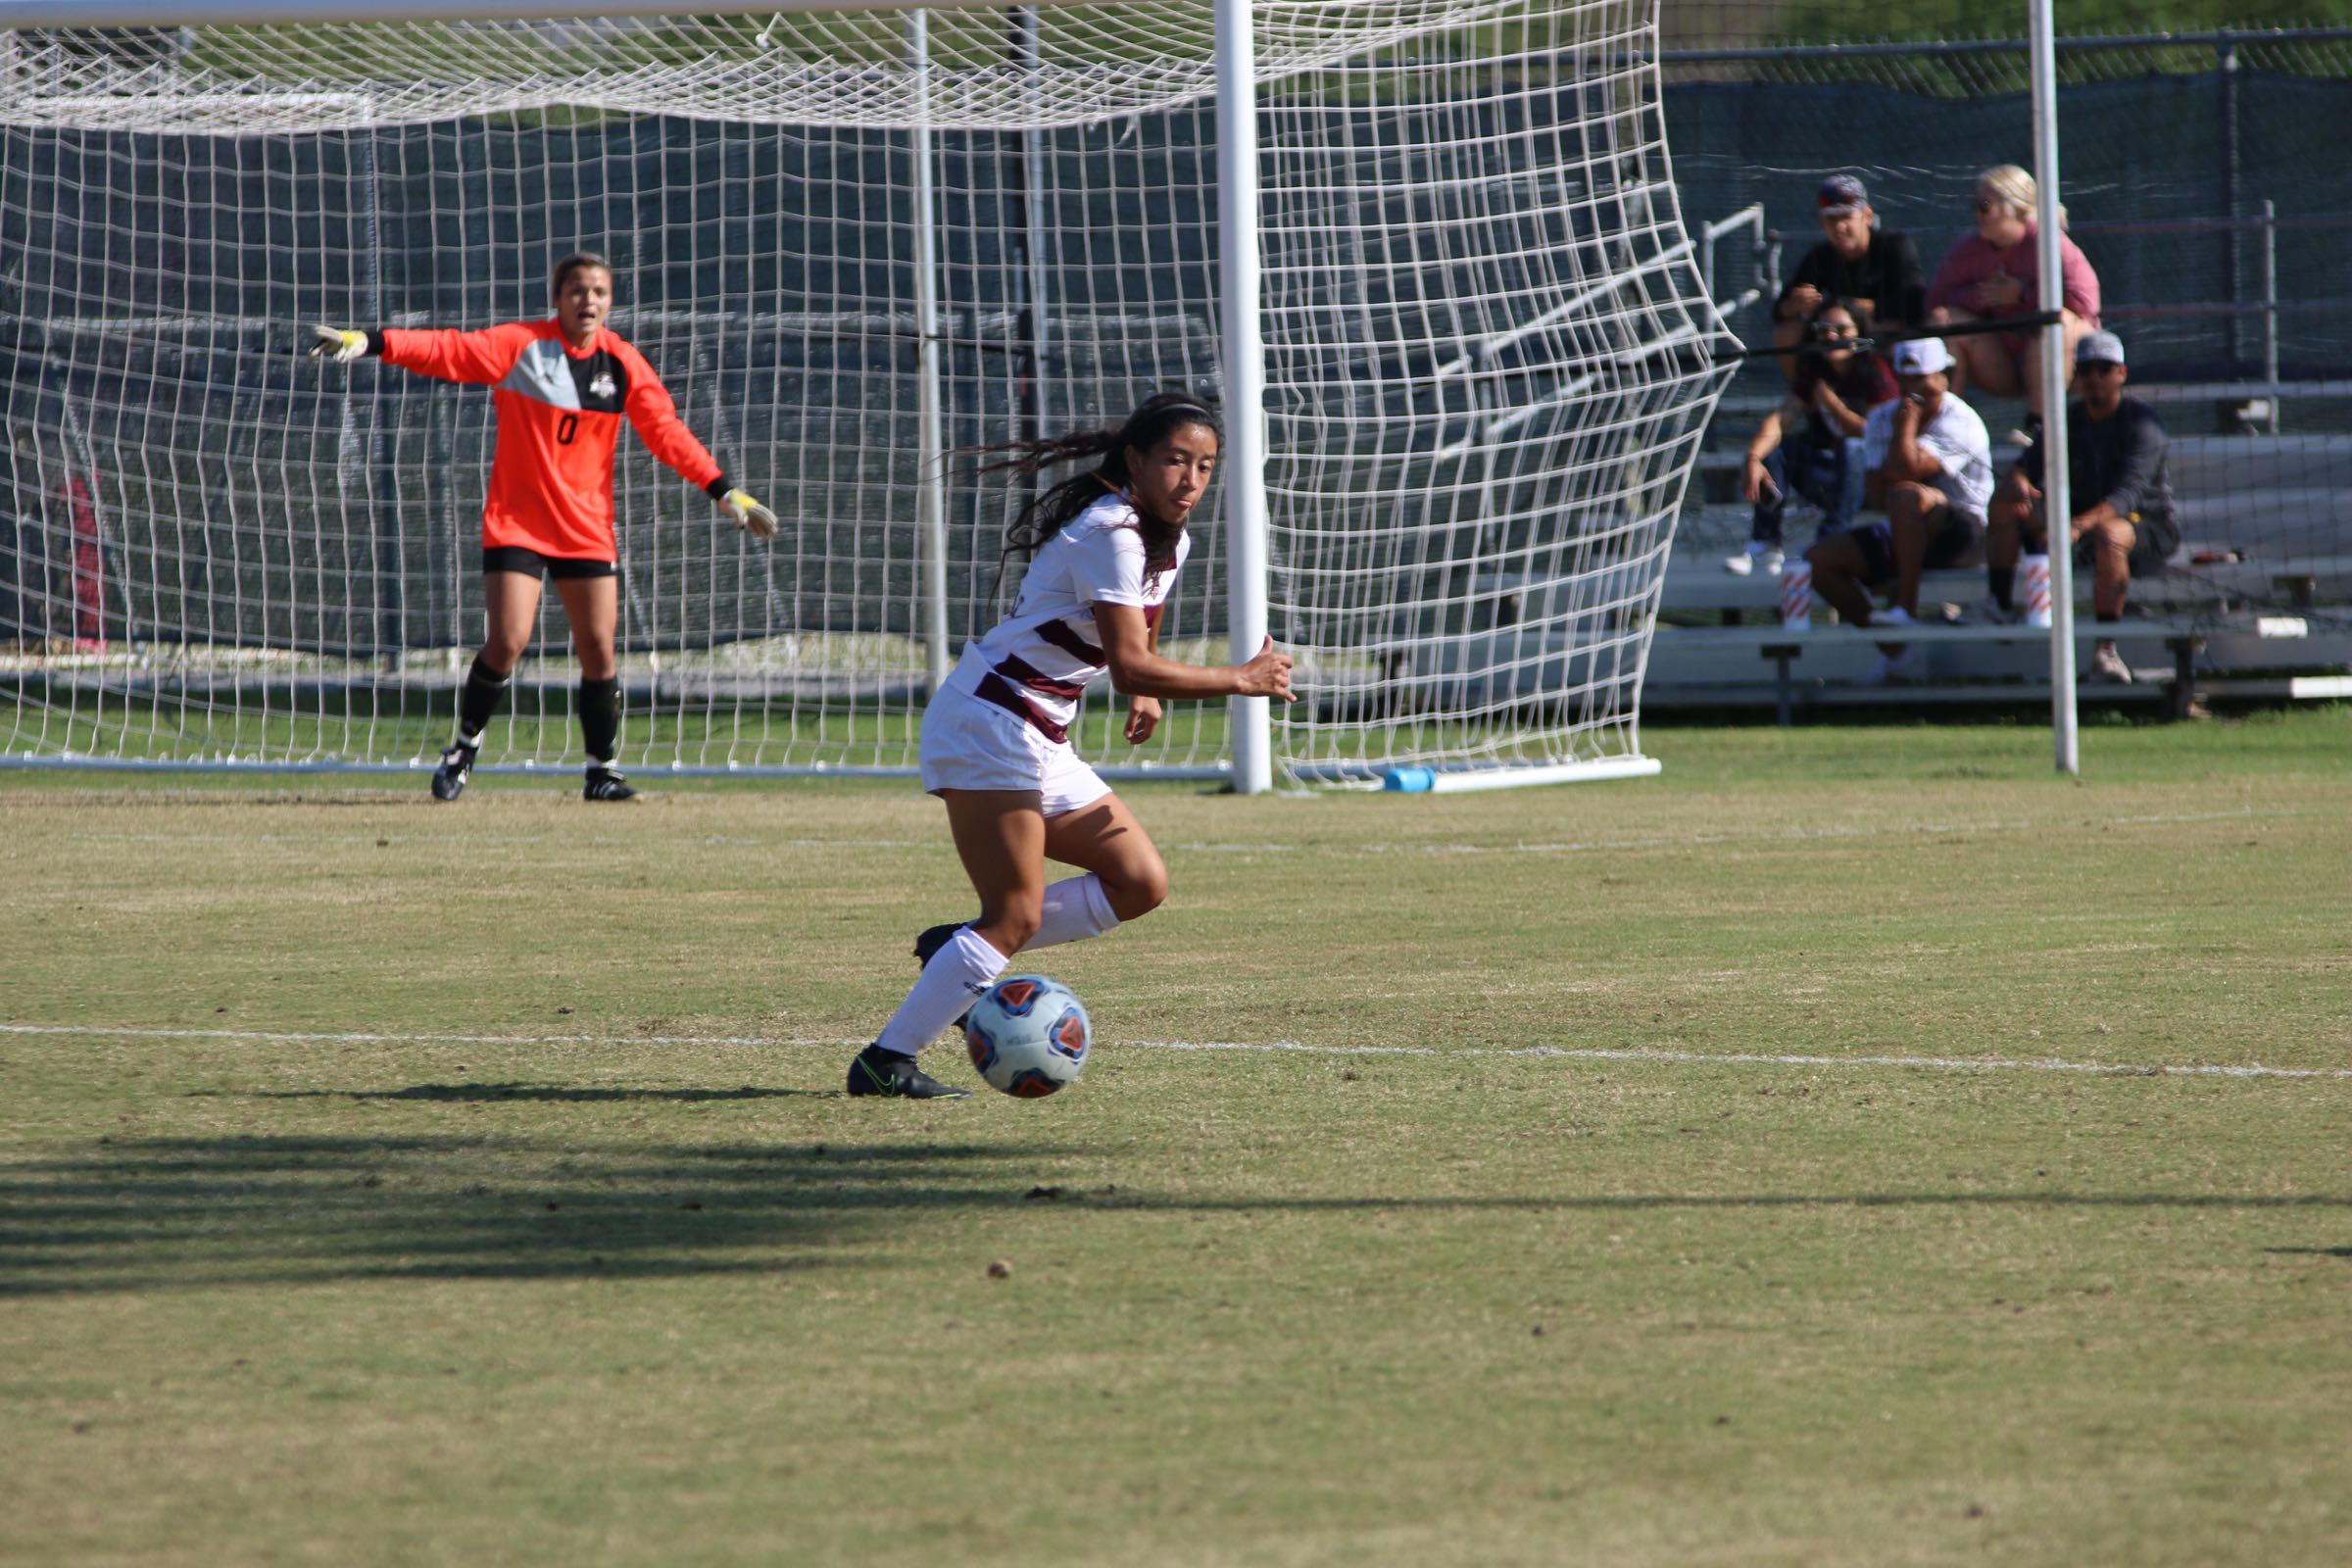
point(562, 387)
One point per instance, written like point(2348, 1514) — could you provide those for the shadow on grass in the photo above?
point(160, 1214)
point(523, 1090)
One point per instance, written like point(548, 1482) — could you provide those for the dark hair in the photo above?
point(1154, 420)
point(1819, 312)
point(1816, 341)
point(575, 261)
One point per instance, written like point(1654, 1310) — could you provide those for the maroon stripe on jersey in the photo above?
point(997, 690)
point(1062, 635)
point(1152, 615)
point(1016, 668)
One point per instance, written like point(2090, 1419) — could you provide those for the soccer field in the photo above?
point(1856, 1146)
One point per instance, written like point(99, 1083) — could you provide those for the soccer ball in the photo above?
point(1028, 1035)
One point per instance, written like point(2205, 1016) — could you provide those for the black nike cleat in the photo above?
point(930, 942)
point(875, 1071)
point(456, 766)
point(607, 784)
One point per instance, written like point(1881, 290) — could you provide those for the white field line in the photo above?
point(1697, 1058)
point(1684, 841)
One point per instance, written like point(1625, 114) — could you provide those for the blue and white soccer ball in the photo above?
point(1028, 1035)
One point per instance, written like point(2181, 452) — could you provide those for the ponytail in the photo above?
point(1047, 514)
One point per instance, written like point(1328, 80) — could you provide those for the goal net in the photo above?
point(853, 244)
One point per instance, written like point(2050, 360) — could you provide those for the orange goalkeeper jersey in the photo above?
point(558, 420)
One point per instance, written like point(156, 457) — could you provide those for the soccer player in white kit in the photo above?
point(1106, 547)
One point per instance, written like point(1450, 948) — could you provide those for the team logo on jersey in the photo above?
point(603, 386)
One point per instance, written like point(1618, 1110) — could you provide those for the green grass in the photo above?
point(617, 1277)
point(385, 730)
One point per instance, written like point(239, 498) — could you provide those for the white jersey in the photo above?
point(1039, 661)
point(1954, 437)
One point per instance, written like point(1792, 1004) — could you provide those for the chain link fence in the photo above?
point(2202, 176)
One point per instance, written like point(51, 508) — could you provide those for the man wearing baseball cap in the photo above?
point(1930, 465)
point(2117, 484)
point(1875, 272)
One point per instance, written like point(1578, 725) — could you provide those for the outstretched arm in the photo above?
point(1139, 671)
point(664, 433)
point(477, 358)
point(654, 416)
point(341, 344)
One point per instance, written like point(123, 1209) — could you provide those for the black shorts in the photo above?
point(531, 563)
point(2155, 538)
point(1953, 543)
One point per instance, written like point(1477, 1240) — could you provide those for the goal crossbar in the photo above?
point(28, 15)
point(1427, 255)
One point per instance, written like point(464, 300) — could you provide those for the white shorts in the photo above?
point(970, 744)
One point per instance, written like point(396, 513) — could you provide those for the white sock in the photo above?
point(1076, 907)
point(964, 967)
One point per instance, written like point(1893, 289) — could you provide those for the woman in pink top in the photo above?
point(1991, 275)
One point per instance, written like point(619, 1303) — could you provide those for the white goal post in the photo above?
point(1426, 251)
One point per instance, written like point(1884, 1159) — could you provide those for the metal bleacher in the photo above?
point(2256, 604)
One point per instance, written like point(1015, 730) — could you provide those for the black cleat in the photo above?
point(938, 937)
point(875, 1071)
point(607, 784)
point(456, 766)
point(930, 942)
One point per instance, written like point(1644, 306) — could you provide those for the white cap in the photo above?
point(1922, 356)
point(2100, 348)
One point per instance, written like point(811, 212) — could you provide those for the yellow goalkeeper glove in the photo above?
point(750, 516)
point(338, 343)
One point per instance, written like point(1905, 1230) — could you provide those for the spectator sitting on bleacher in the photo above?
point(1929, 464)
point(1811, 445)
point(1875, 270)
point(2116, 485)
point(1990, 275)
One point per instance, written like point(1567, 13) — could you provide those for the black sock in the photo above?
point(485, 688)
point(2003, 581)
point(600, 718)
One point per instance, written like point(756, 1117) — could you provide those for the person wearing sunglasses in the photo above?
point(1810, 447)
point(1993, 275)
point(2118, 487)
